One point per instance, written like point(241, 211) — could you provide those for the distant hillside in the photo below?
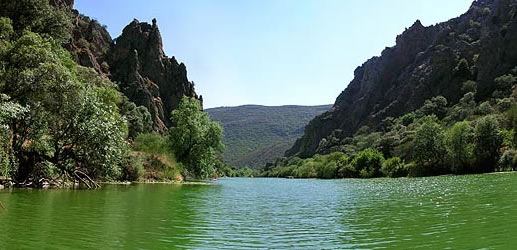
point(256, 134)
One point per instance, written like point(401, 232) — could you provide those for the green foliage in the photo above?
point(462, 69)
point(429, 145)
point(475, 24)
point(484, 109)
point(508, 161)
point(151, 143)
point(195, 139)
point(460, 147)
point(138, 118)
point(469, 86)
point(132, 168)
point(504, 84)
point(368, 163)
point(435, 106)
point(39, 17)
point(394, 167)
point(488, 140)
point(72, 120)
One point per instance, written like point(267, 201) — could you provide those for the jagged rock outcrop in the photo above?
point(90, 44)
point(135, 61)
point(90, 41)
point(425, 62)
point(146, 75)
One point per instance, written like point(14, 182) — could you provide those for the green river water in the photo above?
point(476, 211)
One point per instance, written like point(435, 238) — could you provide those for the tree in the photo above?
point(394, 167)
point(9, 112)
point(194, 138)
point(138, 118)
point(38, 16)
point(435, 106)
point(73, 127)
point(368, 163)
point(488, 140)
point(460, 146)
point(429, 145)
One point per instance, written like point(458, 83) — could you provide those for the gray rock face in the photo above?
point(421, 65)
point(90, 43)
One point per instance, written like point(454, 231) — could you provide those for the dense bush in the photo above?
point(368, 163)
point(429, 146)
point(132, 168)
point(488, 140)
point(394, 167)
point(460, 147)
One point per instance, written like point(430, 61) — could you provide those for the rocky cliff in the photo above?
point(480, 45)
point(148, 77)
point(135, 61)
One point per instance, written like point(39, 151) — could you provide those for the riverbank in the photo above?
point(8, 184)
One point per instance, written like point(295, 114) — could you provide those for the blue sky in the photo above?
point(273, 52)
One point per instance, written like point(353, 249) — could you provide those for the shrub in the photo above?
point(150, 143)
point(460, 146)
point(132, 168)
point(435, 106)
point(327, 171)
point(469, 86)
point(416, 170)
point(394, 167)
point(429, 145)
point(347, 171)
point(508, 161)
point(368, 163)
point(475, 24)
point(488, 141)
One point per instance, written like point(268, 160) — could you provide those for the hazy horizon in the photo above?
point(273, 53)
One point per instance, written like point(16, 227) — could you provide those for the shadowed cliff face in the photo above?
point(423, 64)
point(135, 61)
point(148, 77)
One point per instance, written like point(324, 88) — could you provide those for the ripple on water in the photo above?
point(441, 212)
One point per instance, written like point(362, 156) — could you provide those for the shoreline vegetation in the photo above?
point(470, 137)
point(65, 125)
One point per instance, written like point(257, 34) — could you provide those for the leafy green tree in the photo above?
point(511, 117)
point(138, 118)
point(394, 167)
point(429, 145)
point(368, 163)
point(38, 16)
point(194, 138)
point(488, 140)
point(484, 109)
point(460, 147)
point(9, 112)
point(469, 86)
point(73, 124)
point(327, 171)
point(508, 161)
point(435, 106)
